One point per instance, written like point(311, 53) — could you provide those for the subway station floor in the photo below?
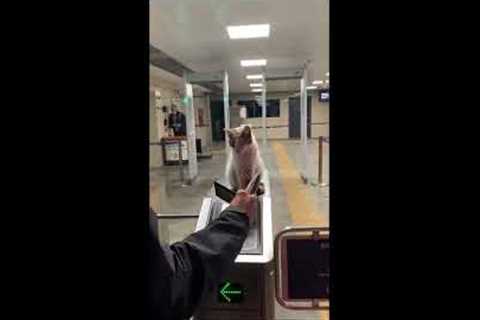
point(293, 202)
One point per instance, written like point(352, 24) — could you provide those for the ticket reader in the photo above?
point(302, 265)
point(247, 291)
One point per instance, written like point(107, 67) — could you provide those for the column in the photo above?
point(303, 121)
point(226, 108)
point(264, 111)
point(192, 147)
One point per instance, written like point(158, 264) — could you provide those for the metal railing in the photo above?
point(176, 216)
point(322, 161)
point(163, 228)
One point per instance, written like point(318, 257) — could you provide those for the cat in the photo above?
point(244, 160)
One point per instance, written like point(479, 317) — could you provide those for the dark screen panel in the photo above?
point(308, 268)
point(324, 95)
point(273, 108)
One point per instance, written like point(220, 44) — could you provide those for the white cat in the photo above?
point(244, 160)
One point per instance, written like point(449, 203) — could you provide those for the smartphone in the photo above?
point(227, 195)
point(223, 192)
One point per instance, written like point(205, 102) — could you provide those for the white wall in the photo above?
point(272, 133)
point(168, 92)
point(170, 95)
point(279, 125)
point(320, 117)
point(154, 150)
point(202, 132)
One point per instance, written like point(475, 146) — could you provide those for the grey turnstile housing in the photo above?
point(258, 282)
point(253, 267)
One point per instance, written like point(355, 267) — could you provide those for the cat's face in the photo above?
point(239, 137)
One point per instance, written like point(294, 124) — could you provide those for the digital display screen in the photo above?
point(230, 292)
point(308, 263)
point(324, 95)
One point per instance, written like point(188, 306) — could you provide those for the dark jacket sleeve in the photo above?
point(181, 274)
point(171, 121)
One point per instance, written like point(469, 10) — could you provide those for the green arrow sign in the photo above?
point(231, 293)
point(186, 100)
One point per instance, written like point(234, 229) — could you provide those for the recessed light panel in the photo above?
point(254, 76)
point(249, 31)
point(253, 63)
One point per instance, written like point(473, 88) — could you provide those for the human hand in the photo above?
point(247, 202)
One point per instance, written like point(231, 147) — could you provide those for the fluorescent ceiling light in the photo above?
point(257, 90)
point(327, 81)
point(249, 31)
point(256, 85)
point(327, 74)
point(317, 82)
point(254, 76)
point(253, 63)
point(311, 87)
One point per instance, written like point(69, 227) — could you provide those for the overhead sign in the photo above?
point(230, 292)
point(284, 73)
point(199, 78)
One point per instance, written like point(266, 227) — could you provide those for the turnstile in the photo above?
point(247, 291)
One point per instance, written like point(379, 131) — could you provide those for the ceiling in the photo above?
point(194, 33)
point(158, 76)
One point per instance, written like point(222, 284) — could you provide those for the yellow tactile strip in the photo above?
point(299, 195)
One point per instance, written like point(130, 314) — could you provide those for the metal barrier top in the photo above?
point(177, 216)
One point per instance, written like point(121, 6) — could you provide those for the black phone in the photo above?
point(227, 195)
point(223, 192)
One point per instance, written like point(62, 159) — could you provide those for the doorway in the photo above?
point(218, 120)
point(294, 124)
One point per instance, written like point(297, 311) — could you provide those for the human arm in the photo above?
point(182, 273)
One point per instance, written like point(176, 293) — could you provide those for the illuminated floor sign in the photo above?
point(230, 292)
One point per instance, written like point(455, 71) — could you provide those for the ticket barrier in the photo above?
point(296, 271)
point(293, 267)
point(247, 291)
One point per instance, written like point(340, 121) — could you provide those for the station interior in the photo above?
point(276, 81)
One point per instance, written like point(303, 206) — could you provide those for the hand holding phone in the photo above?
point(247, 202)
point(253, 187)
point(253, 184)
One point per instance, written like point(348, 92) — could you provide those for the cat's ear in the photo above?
point(231, 137)
point(229, 132)
point(247, 132)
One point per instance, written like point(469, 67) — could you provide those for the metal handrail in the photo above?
point(176, 216)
